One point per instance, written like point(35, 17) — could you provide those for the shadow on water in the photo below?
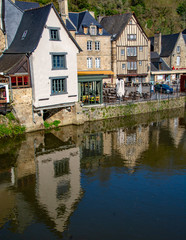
point(50, 181)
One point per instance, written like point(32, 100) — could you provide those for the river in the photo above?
point(117, 179)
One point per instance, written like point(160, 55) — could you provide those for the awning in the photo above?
point(95, 73)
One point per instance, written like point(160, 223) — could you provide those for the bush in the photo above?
point(50, 125)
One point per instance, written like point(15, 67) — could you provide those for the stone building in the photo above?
point(172, 49)
point(130, 48)
point(94, 62)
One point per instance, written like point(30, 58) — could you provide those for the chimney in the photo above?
point(63, 9)
point(100, 18)
point(157, 42)
point(92, 13)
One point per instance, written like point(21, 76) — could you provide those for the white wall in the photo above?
point(41, 66)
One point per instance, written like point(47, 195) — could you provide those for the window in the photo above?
point(93, 30)
point(100, 31)
point(89, 62)
point(178, 49)
point(24, 34)
point(58, 61)
point(58, 85)
point(61, 167)
point(140, 63)
point(97, 45)
point(97, 63)
point(131, 51)
point(85, 30)
point(20, 81)
point(141, 49)
point(123, 66)
point(178, 61)
point(54, 34)
point(131, 66)
point(130, 22)
point(122, 52)
point(89, 45)
point(131, 37)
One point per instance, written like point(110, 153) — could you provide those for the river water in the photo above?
point(118, 179)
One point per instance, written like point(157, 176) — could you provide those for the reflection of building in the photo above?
point(58, 180)
point(92, 145)
point(129, 143)
point(176, 131)
point(7, 202)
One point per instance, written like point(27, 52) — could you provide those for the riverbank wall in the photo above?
point(93, 113)
point(79, 114)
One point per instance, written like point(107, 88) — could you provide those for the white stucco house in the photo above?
point(43, 57)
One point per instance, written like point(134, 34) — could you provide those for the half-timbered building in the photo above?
point(130, 54)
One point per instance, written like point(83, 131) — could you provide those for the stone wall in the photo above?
point(105, 112)
point(2, 41)
point(104, 53)
point(77, 115)
point(22, 108)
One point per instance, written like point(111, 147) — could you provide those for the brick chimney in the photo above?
point(63, 9)
point(157, 42)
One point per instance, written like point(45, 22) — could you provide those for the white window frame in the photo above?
point(131, 66)
point(93, 30)
point(141, 48)
point(89, 45)
point(140, 62)
point(131, 51)
point(97, 45)
point(178, 61)
point(89, 62)
point(97, 62)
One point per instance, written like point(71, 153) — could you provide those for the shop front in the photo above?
point(90, 86)
point(90, 89)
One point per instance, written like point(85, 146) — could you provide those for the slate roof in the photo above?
point(70, 26)
point(8, 61)
point(167, 44)
point(184, 31)
point(156, 60)
point(26, 5)
point(115, 24)
point(85, 19)
point(30, 30)
point(32, 24)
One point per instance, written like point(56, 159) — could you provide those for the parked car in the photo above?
point(163, 88)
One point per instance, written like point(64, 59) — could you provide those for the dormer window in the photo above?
point(24, 35)
point(93, 30)
point(130, 22)
point(85, 29)
point(54, 34)
point(100, 31)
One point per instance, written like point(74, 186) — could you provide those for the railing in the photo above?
point(137, 97)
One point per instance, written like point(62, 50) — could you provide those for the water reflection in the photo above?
point(40, 181)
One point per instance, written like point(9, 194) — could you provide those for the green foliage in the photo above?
point(11, 130)
point(52, 124)
point(10, 116)
point(181, 9)
point(166, 16)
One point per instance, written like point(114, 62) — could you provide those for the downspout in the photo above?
point(33, 119)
